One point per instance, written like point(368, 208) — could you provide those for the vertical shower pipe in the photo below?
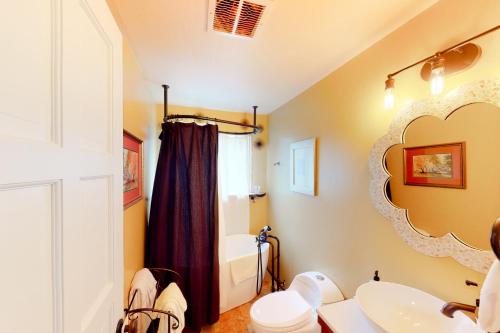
point(279, 283)
point(165, 100)
point(255, 117)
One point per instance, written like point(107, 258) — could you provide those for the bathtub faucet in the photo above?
point(264, 233)
point(261, 266)
point(263, 238)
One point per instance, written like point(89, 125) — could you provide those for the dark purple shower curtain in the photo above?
point(183, 223)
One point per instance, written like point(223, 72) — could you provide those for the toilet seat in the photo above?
point(284, 311)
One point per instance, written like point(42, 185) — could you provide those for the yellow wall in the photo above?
point(339, 232)
point(138, 119)
point(259, 208)
point(438, 210)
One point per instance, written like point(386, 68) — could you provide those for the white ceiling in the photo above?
point(300, 42)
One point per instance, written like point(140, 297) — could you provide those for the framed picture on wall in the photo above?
point(438, 165)
point(132, 169)
point(303, 166)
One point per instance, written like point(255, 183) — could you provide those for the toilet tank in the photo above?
point(316, 288)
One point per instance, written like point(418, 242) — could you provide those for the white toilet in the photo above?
point(294, 310)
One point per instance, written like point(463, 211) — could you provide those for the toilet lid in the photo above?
point(281, 309)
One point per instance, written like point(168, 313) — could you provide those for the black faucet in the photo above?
point(450, 308)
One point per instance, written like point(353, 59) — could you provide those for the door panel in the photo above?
point(32, 262)
point(97, 257)
point(27, 90)
point(61, 204)
point(95, 77)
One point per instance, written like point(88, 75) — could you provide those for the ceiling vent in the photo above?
point(239, 18)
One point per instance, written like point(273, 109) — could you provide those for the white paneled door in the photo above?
point(60, 167)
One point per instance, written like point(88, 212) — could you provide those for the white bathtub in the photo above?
point(239, 247)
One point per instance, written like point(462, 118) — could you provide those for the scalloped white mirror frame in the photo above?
point(449, 245)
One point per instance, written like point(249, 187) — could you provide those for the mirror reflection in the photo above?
point(447, 174)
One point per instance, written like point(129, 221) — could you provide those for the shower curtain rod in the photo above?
point(166, 117)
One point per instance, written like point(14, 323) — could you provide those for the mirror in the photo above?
point(434, 174)
point(435, 206)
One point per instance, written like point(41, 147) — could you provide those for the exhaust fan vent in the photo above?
point(237, 17)
point(249, 18)
point(225, 15)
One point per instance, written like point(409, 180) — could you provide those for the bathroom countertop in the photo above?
point(345, 317)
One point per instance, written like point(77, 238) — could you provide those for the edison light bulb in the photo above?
point(437, 80)
point(437, 74)
point(389, 98)
point(389, 93)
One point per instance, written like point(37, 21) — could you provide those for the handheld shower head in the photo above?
point(266, 228)
point(264, 233)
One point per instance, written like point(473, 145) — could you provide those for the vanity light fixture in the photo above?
point(452, 59)
point(389, 93)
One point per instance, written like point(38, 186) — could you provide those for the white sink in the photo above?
point(395, 308)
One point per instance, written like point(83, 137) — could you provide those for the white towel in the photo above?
point(171, 299)
point(489, 307)
point(145, 285)
point(244, 268)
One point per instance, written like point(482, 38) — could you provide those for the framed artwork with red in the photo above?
point(438, 165)
point(132, 169)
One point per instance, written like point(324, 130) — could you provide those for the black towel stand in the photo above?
point(132, 314)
